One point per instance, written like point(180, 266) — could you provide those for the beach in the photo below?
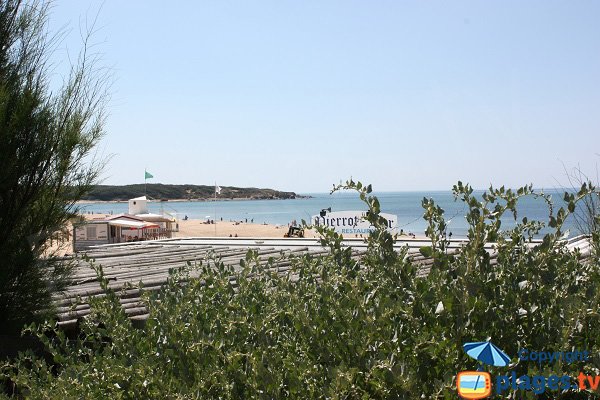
point(198, 228)
point(192, 228)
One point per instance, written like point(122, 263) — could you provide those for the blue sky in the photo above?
point(406, 95)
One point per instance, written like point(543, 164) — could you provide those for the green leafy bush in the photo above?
point(340, 325)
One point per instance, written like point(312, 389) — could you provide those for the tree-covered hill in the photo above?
point(188, 192)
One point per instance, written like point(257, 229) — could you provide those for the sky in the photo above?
point(298, 95)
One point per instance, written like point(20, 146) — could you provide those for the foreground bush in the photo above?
point(340, 326)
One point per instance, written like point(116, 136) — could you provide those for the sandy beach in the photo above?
point(197, 228)
point(193, 228)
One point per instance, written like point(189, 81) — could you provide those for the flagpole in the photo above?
point(215, 208)
point(146, 176)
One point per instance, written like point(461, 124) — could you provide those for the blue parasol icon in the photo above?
point(487, 353)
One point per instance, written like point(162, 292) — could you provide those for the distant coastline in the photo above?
point(209, 200)
point(180, 193)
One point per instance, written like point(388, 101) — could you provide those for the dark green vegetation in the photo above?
point(339, 327)
point(46, 133)
point(188, 192)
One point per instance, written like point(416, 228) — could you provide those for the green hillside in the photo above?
point(189, 192)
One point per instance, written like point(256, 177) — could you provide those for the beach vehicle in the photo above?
point(294, 231)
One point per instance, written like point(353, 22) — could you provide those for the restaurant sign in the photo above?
point(351, 222)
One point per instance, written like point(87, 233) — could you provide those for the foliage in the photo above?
point(339, 325)
point(46, 137)
point(587, 216)
point(176, 192)
point(533, 296)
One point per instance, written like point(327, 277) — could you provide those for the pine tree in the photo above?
point(47, 135)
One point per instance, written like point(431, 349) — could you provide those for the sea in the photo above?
point(405, 205)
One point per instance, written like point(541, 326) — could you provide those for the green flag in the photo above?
point(148, 175)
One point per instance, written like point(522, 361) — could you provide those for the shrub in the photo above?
point(340, 325)
point(46, 138)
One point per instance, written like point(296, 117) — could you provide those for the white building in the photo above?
point(138, 225)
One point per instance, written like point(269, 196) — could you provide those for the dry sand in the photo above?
point(197, 228)
point(194, 228)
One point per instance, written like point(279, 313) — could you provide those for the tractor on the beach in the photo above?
point(294, 231)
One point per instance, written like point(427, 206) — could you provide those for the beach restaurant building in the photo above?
point(137, 225)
